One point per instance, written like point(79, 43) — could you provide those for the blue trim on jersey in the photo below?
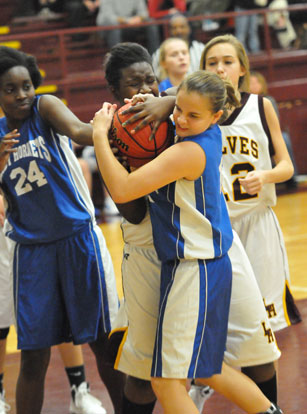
point(176, 220)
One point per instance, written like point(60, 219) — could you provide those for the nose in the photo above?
point(21, 94)
point(220, 68)
point(145, 88)
point(181, 119)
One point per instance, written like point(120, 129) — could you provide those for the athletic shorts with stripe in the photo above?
point(6, 284)
point(262, 238)
point(250, 340)
point(64, 290)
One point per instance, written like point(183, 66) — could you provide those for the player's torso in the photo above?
point(43, 185)
point(138, 234)
point(245, 148)
point(189, 218)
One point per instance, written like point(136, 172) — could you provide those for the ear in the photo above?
point(217, 116)
point(242, 71)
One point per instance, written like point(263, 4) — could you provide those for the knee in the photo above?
point(260, 373)
point(135, 387)
point(34, 363)
point(158, 388)
point(99, 345)
point(164, 387)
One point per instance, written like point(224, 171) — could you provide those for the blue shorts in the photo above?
point(193, 318)
point(64, 290)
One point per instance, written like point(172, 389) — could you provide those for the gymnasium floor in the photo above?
point(292, 213)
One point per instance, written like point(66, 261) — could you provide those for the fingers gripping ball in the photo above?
point(137, 147)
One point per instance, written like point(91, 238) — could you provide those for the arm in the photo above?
point(183, 160)
point(283, 170)
point(56, 114)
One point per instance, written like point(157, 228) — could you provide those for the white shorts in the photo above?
point(263, 242)
point(249, 339)
point(6, 284)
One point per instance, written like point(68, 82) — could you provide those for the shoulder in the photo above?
point(47, 103)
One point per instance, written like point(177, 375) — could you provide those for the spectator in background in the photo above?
point(246, 27)
point(199, 7)
point(24, 8)
point(131, 12)
point(49, 7)
point(281, 23)
point(258, 85)
point(174, 62)
point(159, 9)
point(78, 12)
point(179, 27)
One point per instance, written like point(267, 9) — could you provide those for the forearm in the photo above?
point(83, 135)
point(283, 171)
point(113, 173)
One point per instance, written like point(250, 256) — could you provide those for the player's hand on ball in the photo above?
point(147, 110)
point(103, 118)
point(253, 182)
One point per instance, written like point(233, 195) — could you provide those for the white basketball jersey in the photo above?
point(247, 147)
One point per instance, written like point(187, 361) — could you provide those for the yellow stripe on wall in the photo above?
point(15, 44)
point(4, 30)
point(47, 89)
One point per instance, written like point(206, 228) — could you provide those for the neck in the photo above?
point(176, 79)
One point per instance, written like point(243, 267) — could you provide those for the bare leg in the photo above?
point(239, 389)
point(173, 396)
point(2, 354)
point(113, 380)
point(31, 381)
point(71, 354)
point(266, 379)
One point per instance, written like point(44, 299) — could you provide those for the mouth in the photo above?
point(179, 128)
point(24, 103)
point(24, 106)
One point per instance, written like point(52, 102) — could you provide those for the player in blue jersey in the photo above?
point(64, 284)
point(192, 236)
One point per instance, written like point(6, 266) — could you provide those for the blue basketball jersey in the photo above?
point(46, 194)
point(190, 218)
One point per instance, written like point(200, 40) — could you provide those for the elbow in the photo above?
point(291, 171)
point(119, 197)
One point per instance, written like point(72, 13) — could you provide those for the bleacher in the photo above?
point(73, 68)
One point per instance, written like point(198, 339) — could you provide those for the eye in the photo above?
point(133, 85)
point(151, 80)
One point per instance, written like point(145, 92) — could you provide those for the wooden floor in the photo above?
point(292, 213)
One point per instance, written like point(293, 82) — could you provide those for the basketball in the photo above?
point(137, 147)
